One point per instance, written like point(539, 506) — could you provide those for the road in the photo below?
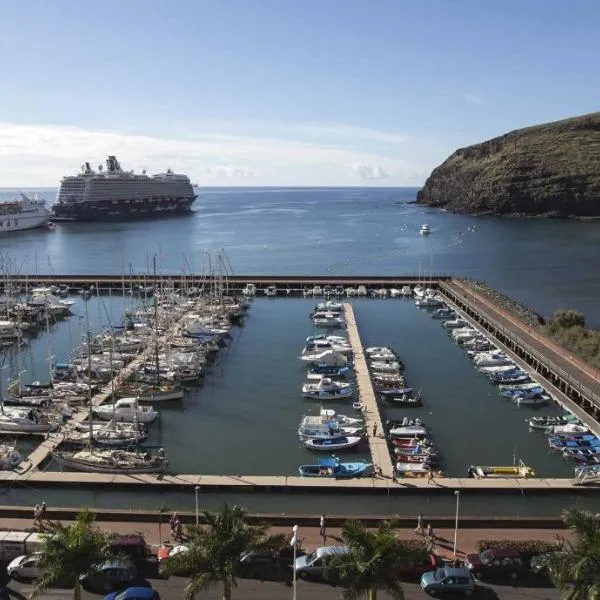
point(255, 590)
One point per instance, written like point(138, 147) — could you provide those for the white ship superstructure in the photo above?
point(114, 194)
point(23, 213)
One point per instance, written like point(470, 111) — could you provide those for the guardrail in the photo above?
point(542, 359)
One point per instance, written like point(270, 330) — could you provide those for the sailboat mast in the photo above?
point(156, 325)
point(89, 368)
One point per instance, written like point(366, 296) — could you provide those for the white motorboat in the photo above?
point(570, 428)
point(395, 293)
point(249, 290)
point(312, 427)
point(332, 443)
point(327, 358)
point(327, 389)
point(429, 302)
point(271, 291)
point(330, 306)
point(126, 409)
point(520, 386)
point(380, 350)
point(112, 461)
point(331, 414)
point(385, 367)
point(492, 360)
point(408, 431)
point(317, 346)
point(539, 400)
point(421, 467)
point(455, 323)
point(152, 393)
point(383, 357)
point(507, 368)
point(425, 230)
point(111, 434)
point(328, 320)
point(406, 291)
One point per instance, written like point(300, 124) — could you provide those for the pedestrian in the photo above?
point(430, 476)
point(419, 527)
point(394, 474)
point(374, 429)
point(36, 515)
point(175, 523)
point(430, 531)
point(322, 529)
point(43, 512)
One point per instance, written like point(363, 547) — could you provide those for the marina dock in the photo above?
point(378, 446)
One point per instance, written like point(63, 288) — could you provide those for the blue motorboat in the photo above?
point(584, 441)
point(523, 393)
point(330, 370)
point(324, 444)
point(333, 468)
point(444, 313)
point(516, 376)
point(396, 391)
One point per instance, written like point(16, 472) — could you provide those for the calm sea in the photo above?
point(250, 402)
point(546, 264)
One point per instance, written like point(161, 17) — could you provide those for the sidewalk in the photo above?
point(466, 540)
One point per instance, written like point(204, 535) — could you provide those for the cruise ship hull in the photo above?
point(121, 209)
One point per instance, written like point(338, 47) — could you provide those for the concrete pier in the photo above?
point(378, 446)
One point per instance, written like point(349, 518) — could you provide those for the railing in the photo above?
point(542, 359)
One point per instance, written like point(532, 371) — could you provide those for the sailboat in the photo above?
point(110, 461)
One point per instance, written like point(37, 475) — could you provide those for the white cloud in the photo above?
point(221, 154)
point(368, 172)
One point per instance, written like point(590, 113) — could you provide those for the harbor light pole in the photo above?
point(294, 545)
point(196, 490)
point(457, 494)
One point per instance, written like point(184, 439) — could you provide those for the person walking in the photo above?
point(43, 512)
point(374, 429)
point(419, 527)
point(322, 529)
point(36, 515)
point(394, 474)
point(430, 477)
point(430, 531)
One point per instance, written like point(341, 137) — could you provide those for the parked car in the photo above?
point(414, 569)
point(448, 579)
point(110, 576)
point(495, 563)
point(133, 593)
point(25, 567)
point(135, 548)
point(268, 565)
point(314, 565)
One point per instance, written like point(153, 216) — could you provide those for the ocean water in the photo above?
point(547, 264)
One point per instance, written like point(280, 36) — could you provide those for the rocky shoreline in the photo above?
point(530, 318)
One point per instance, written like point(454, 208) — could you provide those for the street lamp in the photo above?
point(196, 490)
point(457, 494)
point(294, 545)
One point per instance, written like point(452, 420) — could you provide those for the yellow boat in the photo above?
point(520, 471)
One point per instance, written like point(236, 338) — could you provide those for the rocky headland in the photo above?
point(550, 170)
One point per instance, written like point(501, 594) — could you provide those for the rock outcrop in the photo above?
point(547, 170)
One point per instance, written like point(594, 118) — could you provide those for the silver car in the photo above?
point(448, 579)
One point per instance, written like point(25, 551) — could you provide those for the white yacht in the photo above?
point(126, 409)
point(271, 291)
point(425, 229)
point(23, 420)
point(23, 213)
point(249, 290)
point(326, 389)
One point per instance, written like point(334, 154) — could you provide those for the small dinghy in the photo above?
point(333, 468)
point(408, 431)
point(332, 443)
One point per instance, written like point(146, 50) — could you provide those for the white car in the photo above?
point(23, 567)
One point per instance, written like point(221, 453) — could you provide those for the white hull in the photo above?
point(67, 460)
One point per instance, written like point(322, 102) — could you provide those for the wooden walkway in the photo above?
point(378, 446)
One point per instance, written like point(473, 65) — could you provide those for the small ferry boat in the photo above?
point(519, 471)
point(332, 443)
point(425, 230)
point(333, 468)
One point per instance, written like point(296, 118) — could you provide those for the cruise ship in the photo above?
point(113, 194)
point(23, 213)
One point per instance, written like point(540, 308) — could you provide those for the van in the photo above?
point(12, 544)
point(314, 565)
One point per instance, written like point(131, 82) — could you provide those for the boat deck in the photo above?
point(378, 446)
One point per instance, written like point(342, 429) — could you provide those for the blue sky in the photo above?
point(282, 92)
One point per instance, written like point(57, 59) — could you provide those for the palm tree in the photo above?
point(575, 567)
point(371, 563)
point(70, 551)
point(215, 549)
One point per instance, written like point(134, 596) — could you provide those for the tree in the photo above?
point(215, 549)
point(575, 568)
point(372, 562)
point(565, 319)
point(71, 551)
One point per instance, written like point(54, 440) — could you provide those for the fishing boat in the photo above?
point(425, 230)
point(520, 387)
point(522, 393)
point(329, 370)
point(550, 422)
point(569, 428)
point(126, 409)
point(444, 314)
point(112, 461)
point(558, 442)
point(533, 400)
point(516, 376)
point(333, 468)
point(419, 450)
point(429, 302)
point(327, 389)
point(312, 427)
point(395, 391)
point(332, 443)
point(519, 471)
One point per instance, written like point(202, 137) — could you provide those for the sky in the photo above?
point(282, 92)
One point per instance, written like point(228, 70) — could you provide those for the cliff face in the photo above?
point(551, 169)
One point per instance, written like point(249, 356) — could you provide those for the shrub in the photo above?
point(531, 547)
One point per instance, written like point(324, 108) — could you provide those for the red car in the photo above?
point(414, 570)
point(494, 563)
